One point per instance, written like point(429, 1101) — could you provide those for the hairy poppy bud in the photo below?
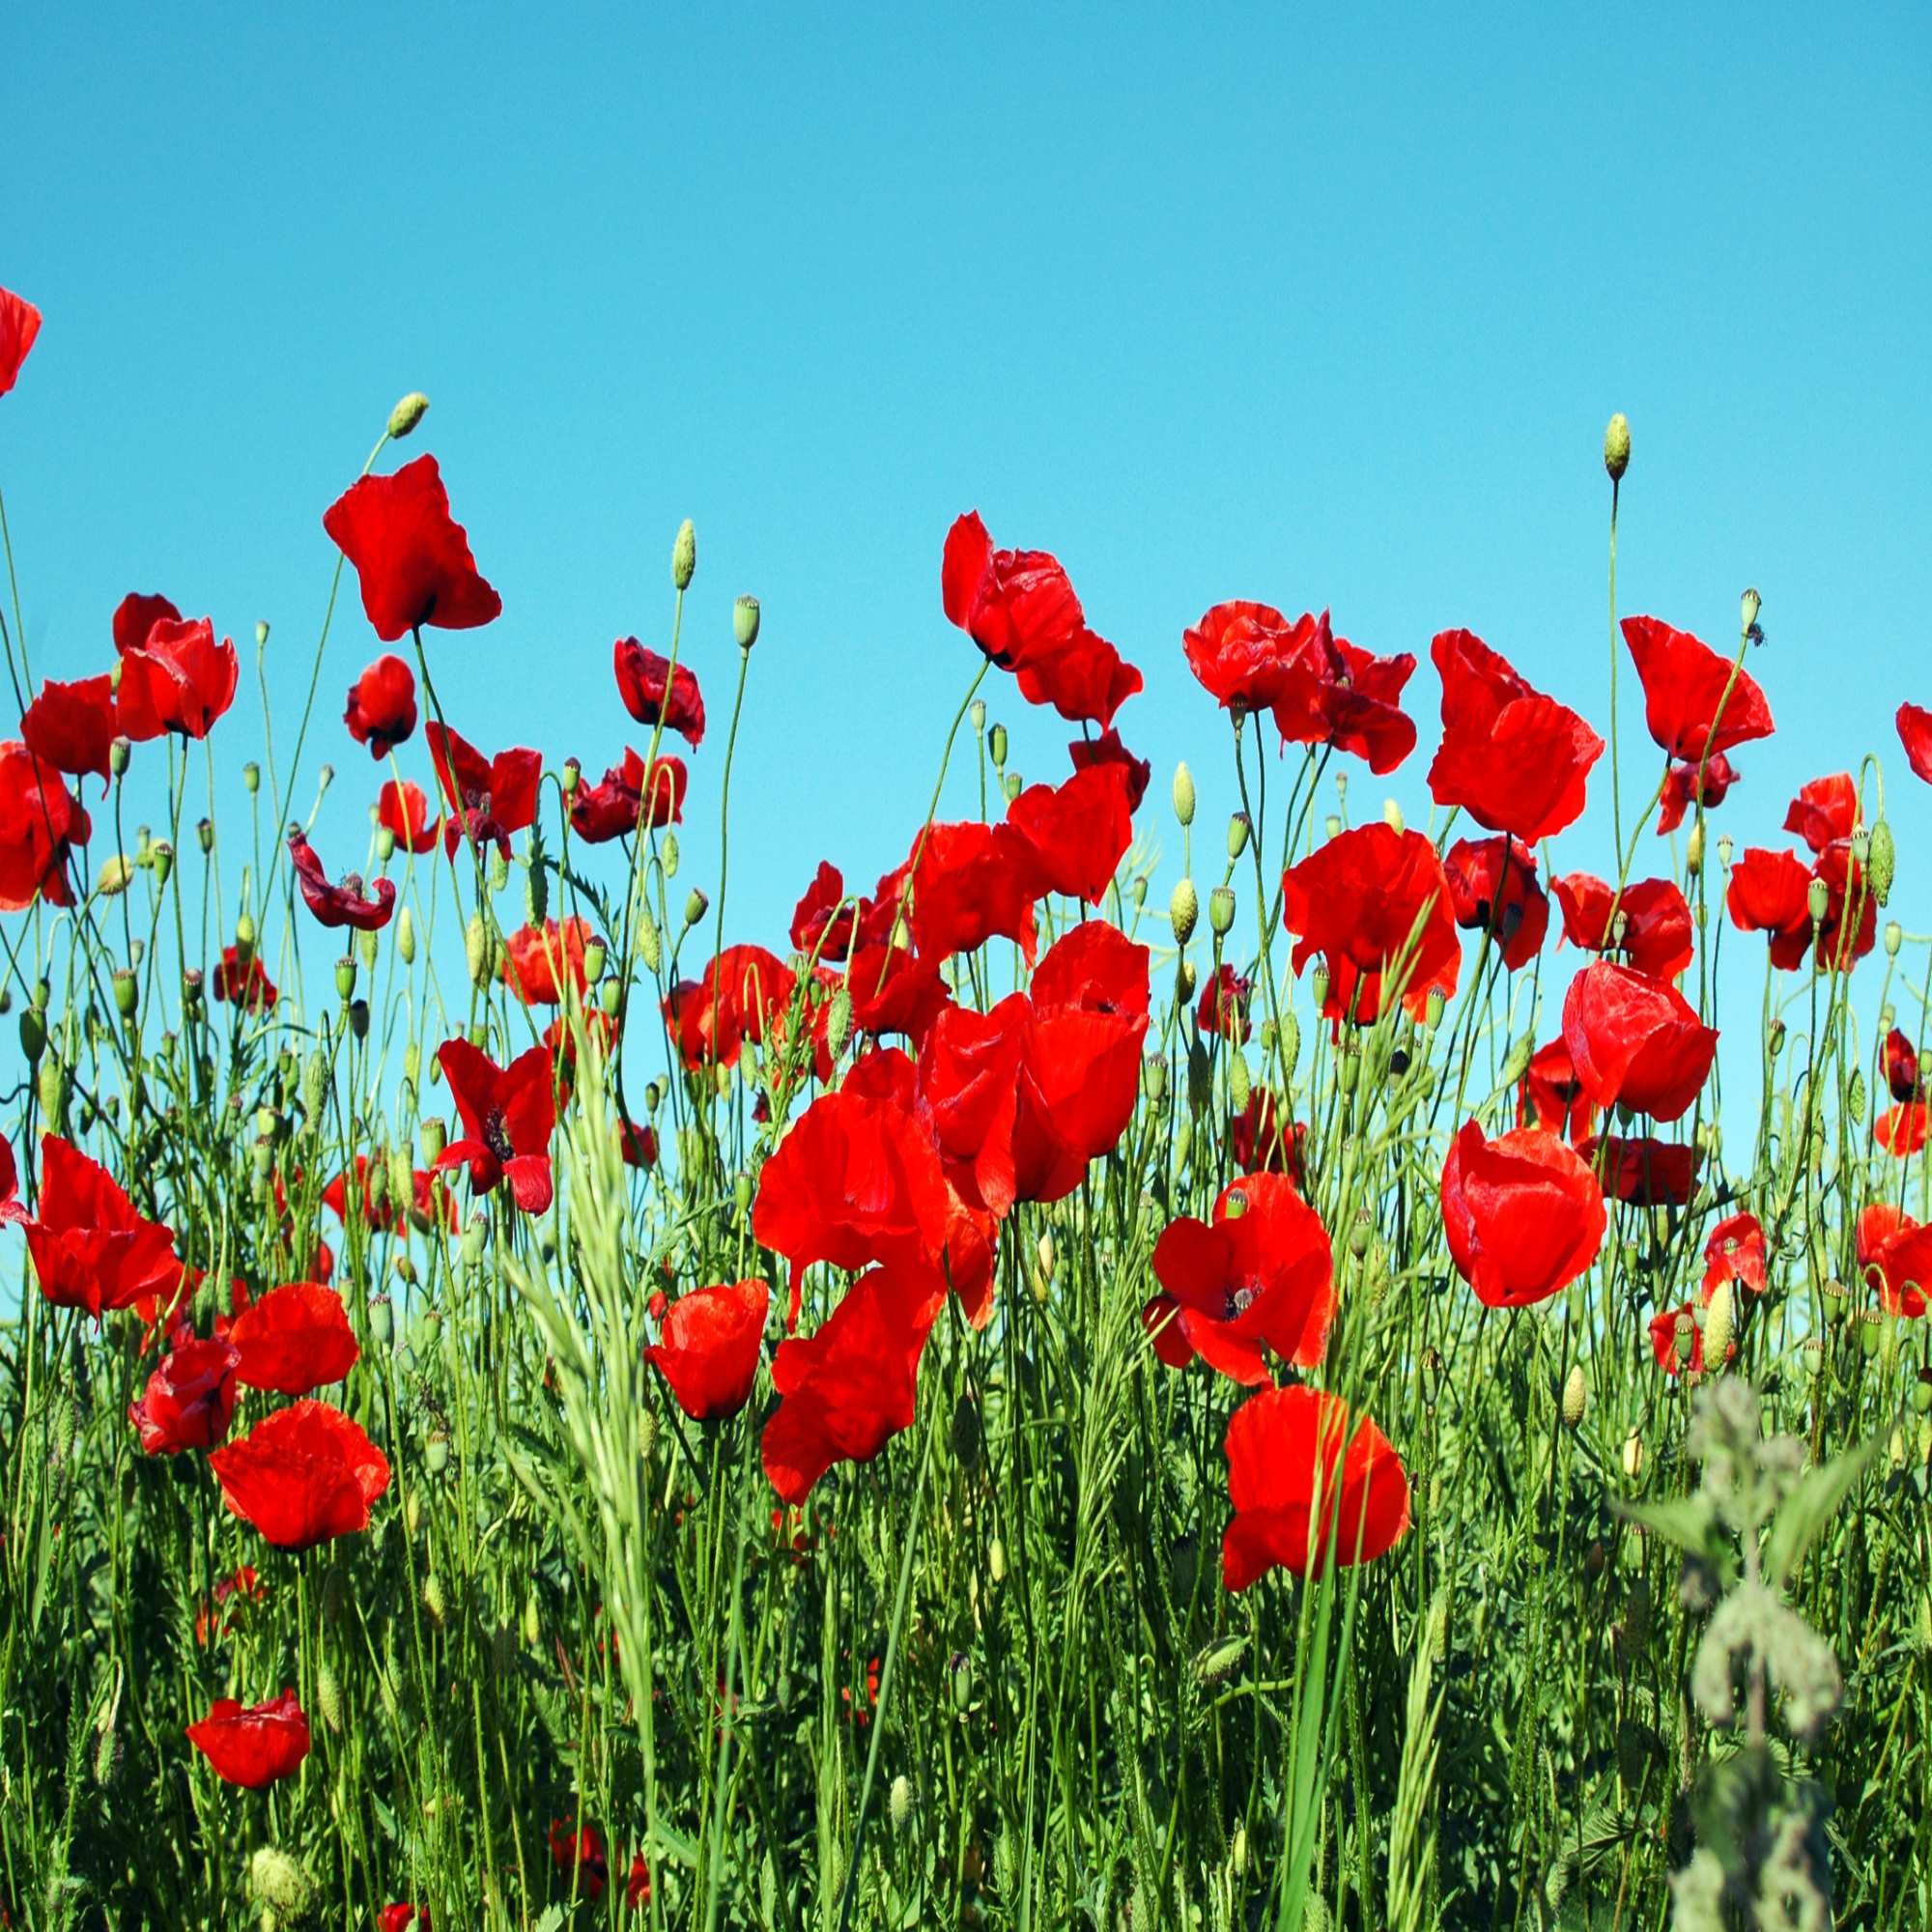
point(1290, 1041)
point(745, 622)
point(407, 414)
point(328, 1698)
point(1183, 794)
point(668, 854)
point(996, 743)
point(1617, 447)
point(964, 1437)
point(1184, 982)
point(1183, 909)
point(838, 1022)
point(1575, 1398)
point(1239, 1083)
point(477, 948)
point(695, 906)
point(1895, 938)
point(900, 1804)
point(1693, 847)
point(996, 1560)
point(650, 949)
point(406, 936)
point(683, 556)
point(279, 1884)
point(1882, 861)
point(1720, 1319)
point(1633, 1454)
point(1221, 910)
point(115, 875)
point(1516, 1063)
point(432, 1590)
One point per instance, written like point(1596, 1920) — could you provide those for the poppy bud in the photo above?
point(960, 1671)
point(406, 936)
point(386, 845)
point(536, 894)
point(1184, 982)
point(1347, 1071)
point(499, 871)
point(1882, 861)
point(1183, 794)
point(432, 1591)
point(164, 861)
point(1239, 1083)
point(1012, 785)
point(996, 743)
point(281, 1886)
point(328, 1698)
point(684, 556)
point(1633, 1454)
point(1617, 447)
point(838, 1022)
point(1894, 937)
point(1183, 1144)
point(1291, 1041)
point(115, 875)
point(1693, 846)
point(668, 854)
point(1575, 1398)
point(1239, 827)
point(1044, 1260)
point(649, 948)
point(435, 1136)
point(407, 414)
point(1391, 816)
point(126, 992)
point(119, 751)
point(695, 906)
point(965, 1437)
point(1748, 606)
point(977, 711)
point(1720, 1319)
point(996, 1560)
point(1153, 1078)
point(1183, 908)
point(745, 622)
point(345, 977)
point(900, 1804)
point(1818, 900)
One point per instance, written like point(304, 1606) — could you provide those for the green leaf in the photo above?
point(1685, 1521)
point(1804, 1511)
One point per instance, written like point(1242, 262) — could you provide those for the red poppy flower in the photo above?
point(579, 1855)
point(1308, 1482)
point(136, 614)
point(1894, 1255)
point(1735, 1252)
point(295, 1340)
point(1636, 1040)
point(1244, 652)
point(1371, 901)
point(1644, 1173)
point(1107, 749)
point(1771, 893)
point(1658, 936)
point(411, 558)
point(1077, 833)
point(540, 960)
point(344, 904)
point(1684, 685)
point(1524, 1214)
point(969, 883)
point(405, 1916)
point(1224, 1004)
point(244, 1583)
point(1258, 1143)
point(1088, 679)
point(743, 991)
point(1551, 1096)
point(1515, 760)
point(254, 1746)
point(393, 1215)
point(1902, 1067)
point(613, 809)
point(1486, 892)
point(1824, 810)
point(828, 921)
point(20, 325)
point(1901, 1131)
point(402, 808)
point(91, 1249)
point(708, 1347)
point(638, 1145)
point(11, 1206)
point(638, 1886)
point(302, 1476)
point(849, 1389)
point(508, 1115)
point(1262, 1276)
point(41, 821)
point(489, 798)
point(1666, 1325)
point(1914, 733)
point(893, 990)
point(1680, 790)
point(382, 710)
point(73, 726)
point(245, 983)
point(654, 694)
point(189, 1400)
point(177, 679)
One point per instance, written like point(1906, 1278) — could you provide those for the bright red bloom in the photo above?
point(1665, 1328)
point(579, 1855)
point(613, 809)
point(1371, 901)
point(1902, 1067)
point(1894, 1255)
point(969, 883)
point(254, 1746)
point(638, 1886)
point(1515, 760)
point(1524, 1214)
point(189, 1400)
point(1262, 1276)
point(73, 726)
point(295, 1340)
point(1077, 833)
point(392, 1216)
point(382, 710)
point(819, 926)
point(1242, 652)
point(1223, 1007)
point(1636, 1040)
point(744, 992)
point(1824, 810)
point(1901, 1131)
point(1259, 1143)
point(413, 559)
point(41, 821)
point(20, 325)
point(1108, 750)
point(1680, 790)
point(707, 1347)
point(508, 1115)
point(91, 1249)
point(1771, 893)
point(136, 614)
point(894, 991)
point(302, 1476)
point(12, 1207)
point(1735, 1252)
point(1308, 1482)
point(405, 1916)
point(489, 798)
point(1914, 733)
point(653, 692)
point(344, 904)
point(1552, 1098)
point(245, 984)
point(540, 961)
point(1644, 1173)
point(1485, 888)
point(402, 810)
point(177, 679)
point(851, 1387)
point(1658, 937)
point(1684, 685)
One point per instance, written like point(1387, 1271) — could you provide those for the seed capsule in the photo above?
point(1617, 447)
point(683, 556)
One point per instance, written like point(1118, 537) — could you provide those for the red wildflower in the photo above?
point(489, 798)
point(538, 961)
point(411, 557)
point(894, 991)
point(1308, 1481)
point(1241, 652)
point(1515, 760)
point(1488, 893)
point(1914, 733)
point(177, 679)
point(638, 1886)
point(39, 821)
point(828, 921)
point(1108, 750)
point(1901, 1131)
point(1636, 1040)
point(508, 1114)
point(253, 1747)
point(1258, 1143)
point(1735, 1252)
point(295, 1340)
point(969, 883)
point(1524, 1214)
point(20, 325)
point(643, 679)
point(244, 1583)
point(1680, 790)
point(1902, 1067)
point(638, 1145)
point(339, 905)
point(1771, 893)
point(381, 711)
point(402, 808)
point(91, 1249)
point(613, 808)
point(393, 1215)
point(302, 1476)
point(1371, 902)
point(73, 726)
point(189, 1400)
point(1552, 1095)
point(1077, 833)
point(405, 1916)
point(579, 1855)
point(1684, 682)
point(743, 991)
point(1644, 1173)
point(708, 1347)
point(1824, 810)
point(1658, 938)
point(11, 1206)
point(1224, 1004)
point(245, 983)
point(136, 614)
point(1666, 1325)
point(1262, 1276)
point(1894, 1254)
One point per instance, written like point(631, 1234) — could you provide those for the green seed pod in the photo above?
point(435, 1136)
point(745, 622)
point(593, 961)
point(476, 949)
point(684, 556)
point(119, 749)
point(650, 947)
point(407, 414)
point(1317, 984)
point(436, 1453)
point(1748, 606)
point(475, 1239)
point(1331, 826)
point(1855, 1095)
point(1818, 900)
point(381, 1320)
point(996, 744)
point(977, 712)
point(52, 1088)
point(996, 1560)
point(838, 1022)
point(1240, 831)
point(1183, 794)
point(900, 1804)
point(1153, 1078)
point(432, 1594)
point(1895, 938)
point(536, 894)
point(1221, 910)
point(1183, 980)
point(960, 1673)
point(328, 1698)
point(1719, 1317)
point(1882, 861)
point(1012, 784)
point(532, 1629)
point(1617, 447)
point(696, 906)
point(33, 1034)
point(126, 993)
point(164, 861)
point(1184, 910)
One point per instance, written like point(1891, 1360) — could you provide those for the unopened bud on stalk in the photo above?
point(1221, 910)
point(261, 632)
point(365, 946)
point(1183, 909)
point(838, 1022)
point(1240, 828)
point(977, 712)
point(164, 861)
point(996, 1560)
point(695, 906)
point(1183, 794)
point(1882, 861)
point(745, 622)
point(407, 414)
point(406, 936)
point(477, 948)
point(251, 778)
point(126, 993)
point(1290, 1041)
point(1895, 938)
point(1240, 1083)
point(1183, 980)
point(683, 556)
point(1617, 447)
point(1516, 1063)
point(1633, 1454)
point(1575, 1398)
point(1719, 1317)
point(115, 875)
point(1391, 815)
point(386, 845)
point(650, 950)
point(278, 1884)
point(1013, 784)
point(1748, 606)
point(1693, 847)
point(345, 977)
point(119, 752)
point(1818, 900)
point(204, 835)
point(1347, 1071)
point(244, 939)
point(996, 744)
point(668, 854)
point(899, 1804)
point(500, 873)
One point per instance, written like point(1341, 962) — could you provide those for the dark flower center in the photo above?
point(496, 1136)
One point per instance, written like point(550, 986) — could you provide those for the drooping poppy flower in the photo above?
point(20, 325)
point(1825, 810)
point(654, 693)
point(1644, 1173)
point(411, 558)
point(302, 1476)
point(1515, 759)
point(40, 822)
point(1901, 1131)
point(508, 1115)
point(189, 1400)
point(1108, 750)
point(847, 1390)
point(1680, 790)
point(707, 1347)
point(1894, 1254)
point(968, 883)
point(1677, 1340)
point(1522, 1213)
point(1657, 935)
point(382, 708)
point(1260, 1142)
point(615, 807)
point(540, 960)
point(1552, 1095)
point(1223, 1007)
point(489, 798)
point(1771, 893)
point(403, 811)
point(1914, 733)
point(244, 982)
point(91, 1249)
point(1735, 1252)
point(743, 992)
point(1492, 893)
point(1636, 1040)
point(1902, 1067)
point(1077, 833)
point(344, 904)
point(73, 726)
point(1309, 1483)
point(177, 679)
point(256, 1747)
point(1371, 901)
point(1685, 683)
point(579, 1855)
point(1262, 1276)
point(295, 1340)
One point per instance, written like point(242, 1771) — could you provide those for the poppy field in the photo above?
point(1133, 1371)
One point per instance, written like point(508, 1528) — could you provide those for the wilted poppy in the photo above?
point(1684, 685)
point(411, 558)
point(707, 1347)
point(508, 1115)
point(1894, 1254)
point(253, 1747)
point(403, 811)
point(540, 960)
point(295, 1340)
point(40, 822)
point(1735, 1252)
point(655, 693)
point(1308, 1482)
point(189, 1400)
point(1223, 1007)
point(1077, 833)
point(1492, 889)
point(20, 325)
point(743, 991)
point(1643, 1173)
point(177, 679)
point(344, 904)
point(1680, 790)
point(382, 709)
point(1651, 915)
point(91, 1249)
point(1902, 1067)
point(1108, 750)
point(1522, 1213)
point(615, 807)
point(1553, 1097)
point(1635, 1040)
point(73, 726)
point(489, 798)
point(244, 982)
point(302, 1476)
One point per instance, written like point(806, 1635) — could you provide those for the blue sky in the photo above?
point(1211, 301)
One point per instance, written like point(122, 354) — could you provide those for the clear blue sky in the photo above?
point(1211, 302)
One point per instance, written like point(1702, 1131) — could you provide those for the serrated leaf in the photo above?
point(1805, 1512)
point(1684, 1522)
